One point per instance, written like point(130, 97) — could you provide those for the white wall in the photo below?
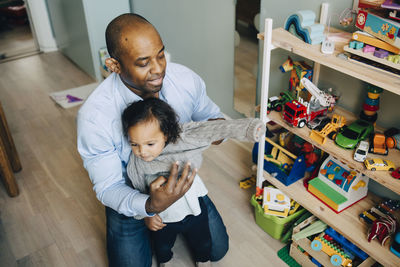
point(39, 19)
point(200, 35)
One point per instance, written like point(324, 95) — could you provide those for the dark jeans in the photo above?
point(128, 240)
point(194, 229)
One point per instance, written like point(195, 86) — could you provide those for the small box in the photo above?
point(384, 29)
point(273, 225)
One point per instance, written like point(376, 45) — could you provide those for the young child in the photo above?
point(157, 142)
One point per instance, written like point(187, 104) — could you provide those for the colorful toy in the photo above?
point(382, 229)
point(374, 42)
point(371, 104)
point(302, 25)
point(247, 182)
point(286, 176)
point(275, 202)
point(277, 103)
point(396, 173)
point(378, 164)
point(393, 141)
point(354, 133)
point(336, 123)
point(386, 208)
point(378, 144)
point(298, 113)
point(345, 187)
point(280, 156)
point(299, 70)
point(341, 251)
point(384, 29)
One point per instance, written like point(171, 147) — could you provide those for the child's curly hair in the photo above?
point(152, 108)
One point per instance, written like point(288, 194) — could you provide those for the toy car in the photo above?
point(350, 136)
point(378, 144)
point(396, 173)
point(378, 164)
point(360, 154)
point(318, 123)
point(274, 104)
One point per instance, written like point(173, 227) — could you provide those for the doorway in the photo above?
point(16, 35)
point(246, 56)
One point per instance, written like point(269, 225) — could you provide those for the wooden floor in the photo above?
point(57, 220)
point(16, 40)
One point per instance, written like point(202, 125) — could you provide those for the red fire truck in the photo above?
point(299, 113)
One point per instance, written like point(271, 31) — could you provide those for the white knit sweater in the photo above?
point(194, 139)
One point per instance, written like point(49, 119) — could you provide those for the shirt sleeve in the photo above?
point(204, 108)
point(104, 166)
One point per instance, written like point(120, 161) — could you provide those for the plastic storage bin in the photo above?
point(273, 225)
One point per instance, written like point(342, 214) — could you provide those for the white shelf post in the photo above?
point(264, 96)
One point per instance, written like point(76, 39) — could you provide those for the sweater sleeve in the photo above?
point(248, 129)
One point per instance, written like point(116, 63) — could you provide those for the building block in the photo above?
point(380, 53)
point(356, 45)
point(369, 49)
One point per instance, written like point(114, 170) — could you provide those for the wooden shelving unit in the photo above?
point(347, 222)
point(283, 39)
point(382, 177)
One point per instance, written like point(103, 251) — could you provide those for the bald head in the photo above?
point(120, 25)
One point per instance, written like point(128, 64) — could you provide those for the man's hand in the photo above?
point(219, 141)
point(164, 192)
point(154, 223)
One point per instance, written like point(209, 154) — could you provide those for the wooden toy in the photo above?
point(299, 70)
point(380, 53)
point(302, 25)
point(384, 29)
point(338, 193)
point(275, 202)
point(375, 42)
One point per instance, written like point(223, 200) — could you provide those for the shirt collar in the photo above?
point(128, 96)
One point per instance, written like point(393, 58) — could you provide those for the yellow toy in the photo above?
point(378, 164)
point(336, 122)
point(275, 202)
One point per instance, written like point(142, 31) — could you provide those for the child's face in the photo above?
point(147, 140)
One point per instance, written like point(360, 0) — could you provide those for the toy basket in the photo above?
point(273, 225)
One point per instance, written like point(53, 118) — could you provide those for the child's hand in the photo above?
point(154, 223)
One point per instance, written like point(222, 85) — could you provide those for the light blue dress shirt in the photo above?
point(104, 148)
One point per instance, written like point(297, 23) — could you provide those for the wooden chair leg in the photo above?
point(7, 172)
point(8, 143)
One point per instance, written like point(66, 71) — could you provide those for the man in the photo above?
point(139, 71)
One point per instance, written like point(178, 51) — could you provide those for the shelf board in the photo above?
point(285, 40)
point(382, 177)
point(347, 222)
